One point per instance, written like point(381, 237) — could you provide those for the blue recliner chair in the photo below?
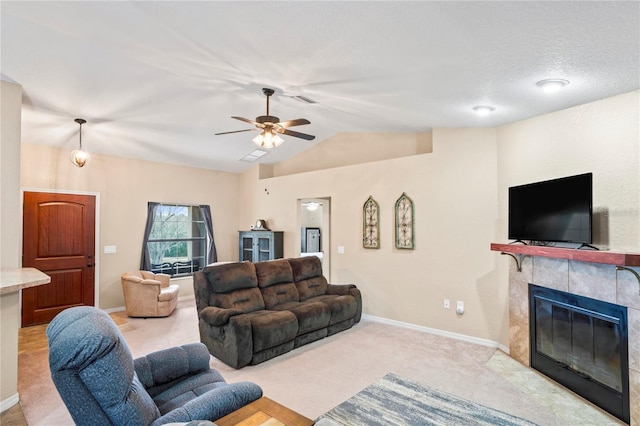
point(101, 384)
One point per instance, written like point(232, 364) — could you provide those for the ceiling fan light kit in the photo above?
point(268, 140)
point(271, 127)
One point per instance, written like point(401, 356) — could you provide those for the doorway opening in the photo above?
point(314, 218)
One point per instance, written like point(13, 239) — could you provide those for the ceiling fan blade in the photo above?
point(246, 120)
point(298, 135)
point(296, 122)
point(235, 131)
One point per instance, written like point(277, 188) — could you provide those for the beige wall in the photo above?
point(454, 190)
point(10, 236)
point(124, 187)
point(346, 149)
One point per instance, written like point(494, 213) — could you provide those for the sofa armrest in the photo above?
point(232, 342)
point(339, 289)
point(163, 279)
point(348, 290)
point(167, 365)
point(131, 278)
point(214, 404)
point(151, 282)
point(218, 316)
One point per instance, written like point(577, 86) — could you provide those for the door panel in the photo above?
point(59, 240)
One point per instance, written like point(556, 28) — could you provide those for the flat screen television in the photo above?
point(558, 210)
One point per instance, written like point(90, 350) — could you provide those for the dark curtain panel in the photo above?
point(145, 261)
point(212, 255)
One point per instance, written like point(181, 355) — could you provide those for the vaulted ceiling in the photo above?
point(156, 80)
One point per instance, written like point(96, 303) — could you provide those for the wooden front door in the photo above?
point(58, 238)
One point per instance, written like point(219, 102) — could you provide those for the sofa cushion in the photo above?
point(311, 287)
point(180, 393)
point(278, 294)
point(168, 293)
point(273, 272)
point(272, 328)
point(246, 300)
point(227, 277)
point(305, 267)
point(341, 307)
point(311, 315)
point(275, 280)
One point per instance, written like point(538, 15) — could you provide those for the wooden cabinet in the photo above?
point(256, 246)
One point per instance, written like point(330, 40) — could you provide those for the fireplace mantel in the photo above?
point(592, 256)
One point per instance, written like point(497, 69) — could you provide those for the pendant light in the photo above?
point(80, 157)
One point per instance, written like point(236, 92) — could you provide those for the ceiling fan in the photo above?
point(271, 127)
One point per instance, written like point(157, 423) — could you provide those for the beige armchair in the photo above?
point(148, 295)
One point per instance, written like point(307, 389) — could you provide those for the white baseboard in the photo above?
point(112, 310)
point(462, 337)
point(9, 402)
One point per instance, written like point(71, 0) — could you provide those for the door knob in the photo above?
point(89, 265)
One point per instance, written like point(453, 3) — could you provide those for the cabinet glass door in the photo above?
point(264, 250)
point(247, 249)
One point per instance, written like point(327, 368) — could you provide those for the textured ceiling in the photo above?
point(156, 80)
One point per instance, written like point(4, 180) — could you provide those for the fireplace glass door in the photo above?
point(582, 344)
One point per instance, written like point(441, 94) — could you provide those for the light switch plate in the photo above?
point(109, 249)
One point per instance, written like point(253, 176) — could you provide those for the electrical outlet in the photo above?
point(460, 307)
point(447, 304)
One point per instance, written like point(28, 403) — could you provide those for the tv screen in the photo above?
point(557, 210)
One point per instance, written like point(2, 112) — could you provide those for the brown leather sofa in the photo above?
point(251, 312)
point(148, 295)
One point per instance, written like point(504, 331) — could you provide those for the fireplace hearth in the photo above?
point(581, 343)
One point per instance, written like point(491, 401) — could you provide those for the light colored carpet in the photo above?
point(394, 400)
point(319, 376)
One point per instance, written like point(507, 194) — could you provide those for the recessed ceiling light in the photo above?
point(483, 109)
point(552, 85)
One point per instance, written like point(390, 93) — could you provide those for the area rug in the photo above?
point(394, 400)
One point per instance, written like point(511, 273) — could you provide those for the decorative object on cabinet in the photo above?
point(404, 223)
point(256, 245)
point(371, 224)
point(261, 225)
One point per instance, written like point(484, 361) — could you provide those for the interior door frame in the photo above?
point(325, 230)
point(96, 283)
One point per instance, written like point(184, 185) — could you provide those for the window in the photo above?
point(178, 239)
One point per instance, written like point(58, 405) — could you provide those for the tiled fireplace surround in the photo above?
point(594, 280)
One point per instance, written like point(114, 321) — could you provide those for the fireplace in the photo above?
point(581, 343)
